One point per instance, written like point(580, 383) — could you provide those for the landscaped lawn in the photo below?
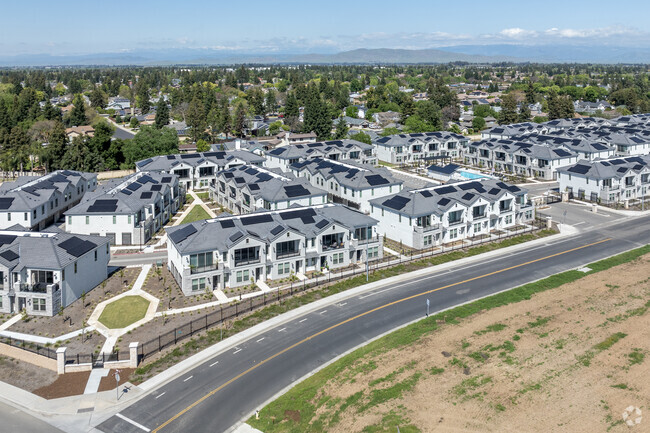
point(205, 196)
point(124, 311)
point(197, 213)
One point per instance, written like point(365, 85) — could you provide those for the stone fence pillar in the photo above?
point(133, 354)
point(60, 360)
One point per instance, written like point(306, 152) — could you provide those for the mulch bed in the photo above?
point(107, 383)
point(159, 286)
point(65, 385)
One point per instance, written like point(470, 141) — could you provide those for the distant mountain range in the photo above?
point(464, 53)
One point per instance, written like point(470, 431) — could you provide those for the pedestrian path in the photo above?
point(395, 253)
point(45, 340)
point(96, 374)
point(10, 322)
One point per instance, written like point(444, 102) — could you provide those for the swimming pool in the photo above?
point(470, 175)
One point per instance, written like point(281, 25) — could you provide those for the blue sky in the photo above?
point(81, 27)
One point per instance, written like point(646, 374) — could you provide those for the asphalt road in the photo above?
point(217, 394)
point(133, 259)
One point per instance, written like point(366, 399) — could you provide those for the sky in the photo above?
point(71, 27)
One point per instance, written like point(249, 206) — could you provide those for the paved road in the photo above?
point(219, 393)
point(15, 420)
point(133, 259)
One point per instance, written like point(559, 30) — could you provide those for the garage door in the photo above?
point(111, 238)
point(126, 238)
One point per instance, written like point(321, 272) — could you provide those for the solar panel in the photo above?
point(263, 177)
point(236, 236)
point(426, 194)
point(134, 186)
point(295, 191)
point(240, 180)
point(76, 247)
point(443, 202)
point(166, 179)
point(144, 179)
point(494, 191)
point(5, 202)
point(146, 195)
point(322, 223)
point(276, 230)
point(376, 179)
point(6, 239)
point(445, 190)
point(250, 171)
point(9, 255)
point(254, 187)
point(181, 234)
point(190, 155)
point(561, 152)
point(397, 202)
point(170, 157)
point(622, 170)
point(579, 168)
point(306, 215)
point(103, 205)
point(227, 224)
point(468, 196)
point(257, 219)
point(156, 187)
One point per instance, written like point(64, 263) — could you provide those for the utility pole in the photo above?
point(117, 384)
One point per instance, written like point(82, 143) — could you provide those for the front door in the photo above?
point(298, 263)
point(258, 272)
point(216, 282)
point(21, 303)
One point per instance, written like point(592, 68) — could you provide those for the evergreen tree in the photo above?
point(270, 101)
point(341, 129)
point(317, 117)
point(196, 119)
point(239, 122)
point(56, 147)
point(98, 99)
point(224, 122)
point(78, 112)
point(530, 93)
point(524, 113)
point(162, 113)
point(508, 112)
point(143, 97)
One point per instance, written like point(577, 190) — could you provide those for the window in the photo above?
point(198, 284)
point(242, 276)
point(95, 255)
point(63, 275)
point(0, 301)
point(244, 256)
point(87, 220)
point(9, 216)
point(200, 262)
point(288, 248)
point(428, 240)
point(453, 233)
point(508, 219)
point(129, 219)
point(528, 215)
point(337, 258)
point(75, 267)
point(39, 304)
point(455, 217)
point(284, 268)
point(69, 220)
point(114, 219)
point(477, 227)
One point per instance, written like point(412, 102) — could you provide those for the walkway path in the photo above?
point(196, 202)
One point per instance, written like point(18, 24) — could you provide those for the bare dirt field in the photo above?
point(24, 375)
point(570, 359)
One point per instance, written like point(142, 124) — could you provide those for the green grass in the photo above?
point(636, 356)
point(491, 328)
point(188, 199)
point(205, 196)
point(197, 213)
point(586, 358)
point(124, 311)
point(302, 395)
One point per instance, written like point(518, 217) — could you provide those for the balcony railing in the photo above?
point(247, 262)
point(287, 254)
point(201, 269)
point(427, 229)
point(334, 246)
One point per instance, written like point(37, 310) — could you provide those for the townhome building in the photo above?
point(348, 182)
point(198, 170)
point(35, 202)
point(424, 218)
point(408, 148)
point(128, 211)
point(610, 181)
point(236, 251)
point(43, 272)
point(336, 150)
point(584, 147)
point(248, 188)
point(523, 158)
point(503, 132)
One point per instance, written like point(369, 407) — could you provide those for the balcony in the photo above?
point(201, 269)
point(456, 223)
point(35, 288)
point(333, 246)
point(247, 262)
point(427, 229)
point(287, 254)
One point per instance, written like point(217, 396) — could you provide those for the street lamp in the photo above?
point(367, 264)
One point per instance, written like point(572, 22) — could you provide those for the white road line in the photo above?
point(342, 304)
point(130, 421)
point(185, 380)
point(160, 395)
point(280, 330)
point(580, 223)
point(236, 351)
point(303, 320)
point(214, 363)
point(323, 312)
point(261, 339)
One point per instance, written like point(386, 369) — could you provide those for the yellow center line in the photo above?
point(214, 391)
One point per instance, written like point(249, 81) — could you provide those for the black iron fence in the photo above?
point(239, 307)
point(96, 359)
point(29, 346)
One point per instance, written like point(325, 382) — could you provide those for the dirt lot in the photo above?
point(24, 375)
point(161, 284)
point(570, 359)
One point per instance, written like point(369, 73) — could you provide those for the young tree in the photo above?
point(478, 123)
point(162, 113)
point(202, 146)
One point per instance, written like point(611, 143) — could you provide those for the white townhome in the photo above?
point(130, 210)
point(35, 202)
point(247, 188)
point(610, 181)
point(40, 273)
point(236, 251)
point(407, 148)
point(426, 217)
point(283, 157)
point(348, 182)
point(198, 170)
